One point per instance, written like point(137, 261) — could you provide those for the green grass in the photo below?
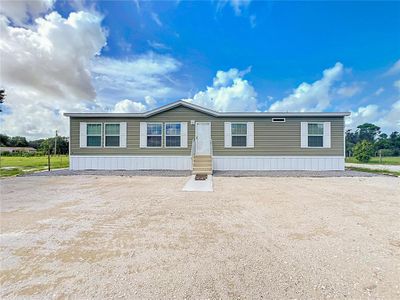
point(390, 160)
point(383, 172)
point(16, 165)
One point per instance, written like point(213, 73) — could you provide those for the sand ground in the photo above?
point(142, 237)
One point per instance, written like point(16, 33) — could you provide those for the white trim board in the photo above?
point(265, 163)
point(128, 162)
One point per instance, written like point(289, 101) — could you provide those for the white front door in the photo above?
point(203, 138)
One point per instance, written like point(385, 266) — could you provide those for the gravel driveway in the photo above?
point(142, 237)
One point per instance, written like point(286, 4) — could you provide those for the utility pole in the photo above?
point(55, 144)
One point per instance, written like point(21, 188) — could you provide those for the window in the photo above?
point(279, 120)
point(93, 135)
point(154, 134)
point(315, 134)
point(111, 133)
point(172, 134)
point(239, 134)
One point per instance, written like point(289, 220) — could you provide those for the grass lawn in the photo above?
point(390, 160)
point(16, 165)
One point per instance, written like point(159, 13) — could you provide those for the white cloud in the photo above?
point(311, 97)
point(396, 84)
point(136, 77)
point(156, 19)
point(157, 46)
point(127, 106)
point(239, 5)
point(229, 92)
point(391, 119)
point(150, 101)
point(45, 71)
point(22, 11)
point(395, 69)
point(364, 114)
point(349, 90)
point(379, 91)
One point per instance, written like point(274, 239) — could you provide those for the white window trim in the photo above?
point(104, 130)
point(165, 135)
point(274, 120)
point(232, 135)
point(322, 135)
point(162, 134)
point(101, 134)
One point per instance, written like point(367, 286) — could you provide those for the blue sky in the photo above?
point(237, 55)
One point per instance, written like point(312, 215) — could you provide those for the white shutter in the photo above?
point(327, 134)
point(82, 135)
point(184, 135)
point(143, 134)
point(250, 134)
point(304, 134)
point(228, 135)
point(122, 134)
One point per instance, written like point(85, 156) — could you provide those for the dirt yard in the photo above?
point(142, 237)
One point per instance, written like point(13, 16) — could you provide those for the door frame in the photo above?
point(196, 134)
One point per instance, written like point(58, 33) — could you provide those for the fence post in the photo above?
point(380, 156)
point(48, 160)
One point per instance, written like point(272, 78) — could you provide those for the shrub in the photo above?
point(363, 151)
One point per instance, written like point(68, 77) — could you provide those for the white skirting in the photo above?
point(226, 163)
point(105, 162)
point(260, 163)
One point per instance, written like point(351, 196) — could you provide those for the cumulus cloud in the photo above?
point(364, 114)
point(229, 92)
point(45, 71)
point(391, 118)
point(136, 77)
point(311, 97)
point(22, 11)
point(127, 106)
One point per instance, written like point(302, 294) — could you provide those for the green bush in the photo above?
point(386, 152)
point(363, 151)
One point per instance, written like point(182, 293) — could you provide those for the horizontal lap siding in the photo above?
point(274, 139)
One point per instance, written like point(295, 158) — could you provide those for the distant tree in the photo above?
point(363, 151)
point(18, 141)
point(382, 142)
point(351, 140)
point(394, 140)
point(62, 145)
point(35, 143)
point(2, 97)
point(368, 131)
point(4, 140)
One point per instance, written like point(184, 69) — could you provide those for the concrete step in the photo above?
point(201, 169)
point(202, 172)
point(202, 158)
point(203, 164)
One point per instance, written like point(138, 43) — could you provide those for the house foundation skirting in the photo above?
point(108, 162)
point(263, 163)
point(223, 163)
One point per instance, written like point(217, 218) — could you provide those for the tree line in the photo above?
point(368, 140)
point(41, 145)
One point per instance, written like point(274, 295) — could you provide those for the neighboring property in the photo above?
point(184, 136)
point(17, 149)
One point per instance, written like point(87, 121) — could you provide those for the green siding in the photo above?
point(275, 139)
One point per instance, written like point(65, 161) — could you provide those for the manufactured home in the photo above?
point(184, 136)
